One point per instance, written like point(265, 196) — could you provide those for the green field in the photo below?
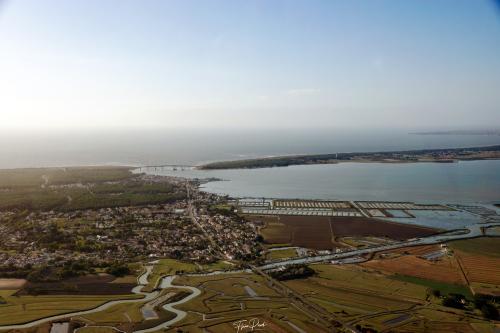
point(171, 266)
point(369, 299)
point(352, 292)
point(225, 300)
point(118, 313)
point(281, 254)
point(275, 245)
point(347, 277)
point(126, 313)
point(27, 308)
point(444, 288)
point(276, 232)
point(485, 246)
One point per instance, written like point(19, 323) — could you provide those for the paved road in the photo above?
point(312, 310)
point(471, 231)
point(191, 213)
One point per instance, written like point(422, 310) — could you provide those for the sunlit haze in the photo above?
point(234, 166)
point(249, 63)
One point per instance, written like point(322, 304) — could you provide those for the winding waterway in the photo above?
point(470, 231)
point(166, 282)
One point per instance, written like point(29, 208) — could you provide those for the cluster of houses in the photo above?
point(234, 237)
point(106, 235)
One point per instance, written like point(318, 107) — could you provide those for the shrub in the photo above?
point(456, 301)
point(489, 311)
point(118, 270)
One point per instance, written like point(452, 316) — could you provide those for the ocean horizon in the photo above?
point(56, 148)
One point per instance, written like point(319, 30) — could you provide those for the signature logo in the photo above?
point(249, 325)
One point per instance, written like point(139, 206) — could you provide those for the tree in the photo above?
point(484, 304)
point(41, 274)
point(293, 272)
point(454, 301)
point(118, 270)
point(489, 311)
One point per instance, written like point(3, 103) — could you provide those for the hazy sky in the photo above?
point(421, 63)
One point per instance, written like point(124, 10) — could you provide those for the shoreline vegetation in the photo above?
point(441, 155)
point(66, 189)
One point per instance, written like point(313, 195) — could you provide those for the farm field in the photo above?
point(480, 268)
point(486, 246)
point(310, 231)
point(416, 250)
point(384, 303)
point(27, 308)
point(480, 260)
point(352, 294)
point(96, 330)
point(438, 327)
point(102, 284)
point(117, 314)
point(281, 254)
point(226, 299)
point(444, 270)
point(353, 278)
point(358, 242)
point(276, 232)
point(172, 266)
point(320, 232)
point(443, 287)
point(362, 226)
point(129, 317)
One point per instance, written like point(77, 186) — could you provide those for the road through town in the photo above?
point(471, 231)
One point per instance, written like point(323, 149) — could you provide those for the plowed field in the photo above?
point(445, 270)
point(480, 268)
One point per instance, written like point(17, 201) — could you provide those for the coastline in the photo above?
point(442, 155)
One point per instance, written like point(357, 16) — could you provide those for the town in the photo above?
point(126, 234)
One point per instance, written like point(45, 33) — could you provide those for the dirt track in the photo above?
point(11, 284)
